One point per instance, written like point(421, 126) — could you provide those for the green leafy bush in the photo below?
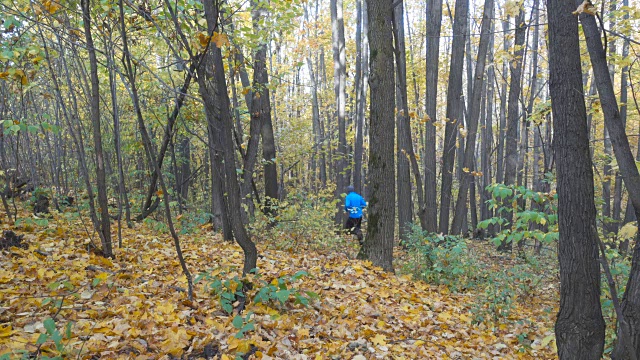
point(540, 224)
point(437, 258)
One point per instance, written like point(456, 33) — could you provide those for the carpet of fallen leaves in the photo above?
point(134, 306)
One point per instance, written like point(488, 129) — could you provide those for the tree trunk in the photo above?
point(339, 76)
point(218, 109)
point(361, 98)
point(454, 110)
point(432, 46)
point(472, 121)
point(579, 327)
point(502, 123)
point(627, 166)
point(101, 183)
point(378, 245)
point(513, 114)
point(404, 145)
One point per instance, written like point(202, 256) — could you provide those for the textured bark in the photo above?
point(454, 110)
point(502, 122)
point(487, 135)
point(472, 120)
point(261, 108)
point(432, 46)
point(404, 145)
point(629, 171)
point(339, 76)
point(217, 103)
point(103, 203)
point(361, 98)
point(378, 245)
point(513, 113)
point(579, 327)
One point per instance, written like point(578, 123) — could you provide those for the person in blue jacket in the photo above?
point(353, 205)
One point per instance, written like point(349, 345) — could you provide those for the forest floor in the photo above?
point(58, 299)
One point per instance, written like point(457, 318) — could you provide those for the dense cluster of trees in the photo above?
point(225, 108)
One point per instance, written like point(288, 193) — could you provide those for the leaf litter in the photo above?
point(135, 307)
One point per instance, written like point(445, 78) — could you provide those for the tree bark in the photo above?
point(404, 145)
point(513, 115)
point(432, 46)
point(579, 327)
point(454, 110)
point(626, 163)
point(378, 245)
point(217, 102)
point(103, 203)
point(339, 76)
point(472, 121)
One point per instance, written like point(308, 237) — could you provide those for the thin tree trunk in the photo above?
point(630, 325)
point(502, 123)
point(404, 146)
point(513, 114)
point(432, 46)
point(472, 121)
point(454, 110)
point(105, 220)
point(339, 76)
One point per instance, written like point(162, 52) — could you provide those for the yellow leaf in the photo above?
point(204, 39)
point(379, 339)
point(628, 231)
point(5, 331)
point(465, 169)
point(220, 39)
point(102, 276)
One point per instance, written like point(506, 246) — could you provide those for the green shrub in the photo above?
point(540, 225)
point(438, 259)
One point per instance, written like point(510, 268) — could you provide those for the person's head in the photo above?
point(350, 189)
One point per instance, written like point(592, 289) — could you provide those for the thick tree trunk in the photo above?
point(472, 121)
point(103, 203)
point(378, 245)
point(432, 46)
point(579, 327)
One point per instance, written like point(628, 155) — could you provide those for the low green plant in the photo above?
point(540, 224)
point(437, 258)
point(302, 218)
point(280, 290)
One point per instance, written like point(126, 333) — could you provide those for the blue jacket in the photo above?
point(353, 204)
